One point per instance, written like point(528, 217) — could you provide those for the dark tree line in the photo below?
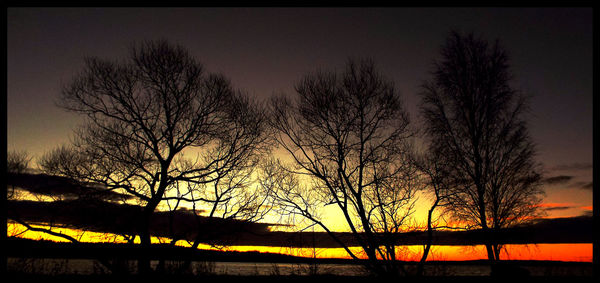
point(163, 131)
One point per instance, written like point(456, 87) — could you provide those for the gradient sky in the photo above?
point(266, 50)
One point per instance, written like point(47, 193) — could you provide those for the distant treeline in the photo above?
point(545, 231)
point(27, 248)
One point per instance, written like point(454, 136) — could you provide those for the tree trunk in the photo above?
point(482, 218)
point(487, 239)
point(420, 266)
point(148, 211)
point(145, 243)
point(145, 233)
point(497, 249)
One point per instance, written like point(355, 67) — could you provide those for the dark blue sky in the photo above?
point(266, 50)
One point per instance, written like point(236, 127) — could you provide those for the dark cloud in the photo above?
point(49, 185)
point(582, 185)
point(564, 179)
point(558, 179)
point(556, 230)
point(577, 166)
point(114, 218)
point(93, 208)
point(558, 208)
point(105, 217)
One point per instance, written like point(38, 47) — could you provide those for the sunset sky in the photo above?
point(265, 51)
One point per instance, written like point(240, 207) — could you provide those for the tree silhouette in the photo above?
point(437, 181)
point(474, 122)
point(17, 161)
point(17, 165)
point(347, 136)
point(157, 127)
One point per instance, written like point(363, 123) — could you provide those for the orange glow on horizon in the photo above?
point(557, 252)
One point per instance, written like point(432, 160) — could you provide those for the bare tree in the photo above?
point(155, 122)
point(474, 122)
point(17, 161)
point(233, 195)
point(437, 183)
point(18, 164)
point(347, 136)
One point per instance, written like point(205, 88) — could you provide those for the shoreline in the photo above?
point(28, 248)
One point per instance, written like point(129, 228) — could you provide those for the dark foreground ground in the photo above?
point(27, 252)
point(510, 272)
point(318, 278)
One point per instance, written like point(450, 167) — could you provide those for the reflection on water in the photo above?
point(259, 268)
point(86, 266)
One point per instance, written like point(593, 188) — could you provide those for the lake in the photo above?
point(87, 266)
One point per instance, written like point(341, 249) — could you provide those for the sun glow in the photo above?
point(559, 252)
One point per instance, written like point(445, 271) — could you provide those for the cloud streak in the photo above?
point(105, 217)
point(582, 185)
point(577, 166)
point(588, 186)
point(562, 179)
point(552, 206)
point(49, 185)
point(118, 219)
